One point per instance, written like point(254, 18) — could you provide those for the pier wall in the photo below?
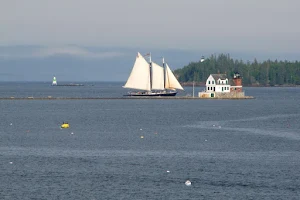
point(223, 95)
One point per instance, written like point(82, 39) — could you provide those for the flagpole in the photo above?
point(194, 85)
point(193, 89)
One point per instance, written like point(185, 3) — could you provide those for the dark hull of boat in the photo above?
point(169, 94)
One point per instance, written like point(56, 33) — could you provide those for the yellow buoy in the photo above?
point(65, 125)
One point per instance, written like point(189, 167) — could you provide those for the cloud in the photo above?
point(74, 51)
point(43, 52)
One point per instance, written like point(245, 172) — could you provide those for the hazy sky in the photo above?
point(97, 39)
point(254, 25)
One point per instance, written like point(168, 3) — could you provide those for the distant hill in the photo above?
point(265, 73)
point(82, 63)
point(73, 63)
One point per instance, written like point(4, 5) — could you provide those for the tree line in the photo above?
point(266, 73)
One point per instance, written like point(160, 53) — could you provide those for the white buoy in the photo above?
point(188, 183)
point(11, 124)
point(142, 137)
point(72, 133)
point(141, 129)
point(168, 171)
point(10, 162)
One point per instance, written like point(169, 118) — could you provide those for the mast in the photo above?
point(163, 60)
point(150, 68)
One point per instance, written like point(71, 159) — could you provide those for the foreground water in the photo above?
point(228, 149)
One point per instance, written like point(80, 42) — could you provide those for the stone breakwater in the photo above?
point(117, 98)
point(223, 95)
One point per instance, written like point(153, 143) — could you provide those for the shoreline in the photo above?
point(256, 86)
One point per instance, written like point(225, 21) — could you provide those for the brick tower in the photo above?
point(237, 83)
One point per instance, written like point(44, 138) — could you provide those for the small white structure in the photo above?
point(188, 183)
point(202, 59)
point(54, 81)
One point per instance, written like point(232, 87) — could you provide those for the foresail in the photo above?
point(140, 75)
point(157, 77)
point(171, 81)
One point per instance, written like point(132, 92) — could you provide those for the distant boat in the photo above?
point(54, 83)
point(150, 79)
point(188, 183)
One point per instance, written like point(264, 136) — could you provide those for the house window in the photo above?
point(227, 88)
point(211, 88)
point(226, 81)
point(207, 88)
point(213, 82)
point(214, 88)
point(208, 82)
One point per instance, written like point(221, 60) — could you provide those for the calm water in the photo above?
point(229, 149)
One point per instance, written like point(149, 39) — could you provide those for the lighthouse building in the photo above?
point(218, 86)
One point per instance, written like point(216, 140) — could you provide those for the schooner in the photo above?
point(151, 79)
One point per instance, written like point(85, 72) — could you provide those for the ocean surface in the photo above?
point(147, 149)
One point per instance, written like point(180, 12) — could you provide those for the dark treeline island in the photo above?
point(266, 73)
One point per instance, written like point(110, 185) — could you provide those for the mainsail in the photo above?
point(171, 81)
point(157, 77)
point(140, 75)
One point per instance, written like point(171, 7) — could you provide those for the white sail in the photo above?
point(171, 81)
point(140, 75)
point(157, 77)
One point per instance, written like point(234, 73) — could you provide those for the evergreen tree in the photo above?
point(253, 73)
